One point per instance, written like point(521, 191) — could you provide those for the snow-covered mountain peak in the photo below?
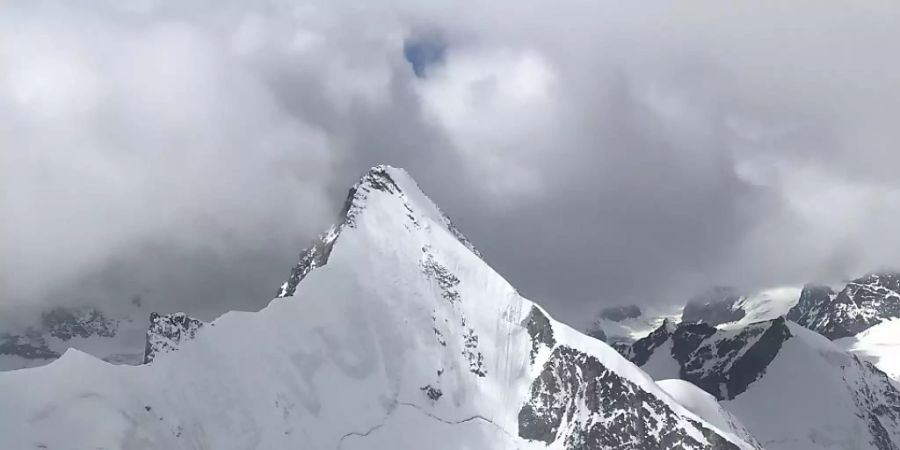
point(406, 338)
point(390, 192)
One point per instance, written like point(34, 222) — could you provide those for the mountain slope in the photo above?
point(393, 334)
point(792, 388)
point(706, 406)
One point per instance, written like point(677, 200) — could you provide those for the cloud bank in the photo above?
point(597, 153)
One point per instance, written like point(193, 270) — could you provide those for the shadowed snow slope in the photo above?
point(398, 336)
point(792, 388)
point(703, 404)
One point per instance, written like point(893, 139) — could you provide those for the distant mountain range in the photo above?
point(767, 358)
point(84, 327)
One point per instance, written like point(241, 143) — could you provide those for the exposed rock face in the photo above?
point(726, 362)
point(47, 339)
point(578, 403)
point(716, 306)
point(863, 303)
point(167, 332)
point(721, 362)
point(732, 364)
point(620, 313)
point(315, 256)
point(540, 330)
point(641, 350)
point(66, 323)
point(814, 300)
point(877, 399)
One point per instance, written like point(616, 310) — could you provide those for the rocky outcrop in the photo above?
point(540, 330)
point(725, 363)
point(861, 304)
point(167, 332)
point(67, 323)
point(721, 362)
point(642, 349)
point(877, 399)
point(577, 403)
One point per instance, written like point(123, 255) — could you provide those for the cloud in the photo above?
point(142, 130)
point(601, 153)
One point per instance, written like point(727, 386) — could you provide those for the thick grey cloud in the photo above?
point(598, 154)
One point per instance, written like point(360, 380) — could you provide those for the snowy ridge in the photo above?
point(721, 362)
point(379, 179)
point(405, 337)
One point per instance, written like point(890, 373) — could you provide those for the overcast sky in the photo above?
point(596, 152)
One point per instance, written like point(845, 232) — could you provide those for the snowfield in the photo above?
point(879, 345)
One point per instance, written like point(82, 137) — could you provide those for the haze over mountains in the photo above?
point(392, 332)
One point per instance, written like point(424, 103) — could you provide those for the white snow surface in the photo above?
point(806, 399)
point(340, 365)
point(879, 345)
point(662, 365)
point(704, 405)
point(765, 305)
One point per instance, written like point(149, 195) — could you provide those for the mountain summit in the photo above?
point(863, 303)
point(391, 332)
